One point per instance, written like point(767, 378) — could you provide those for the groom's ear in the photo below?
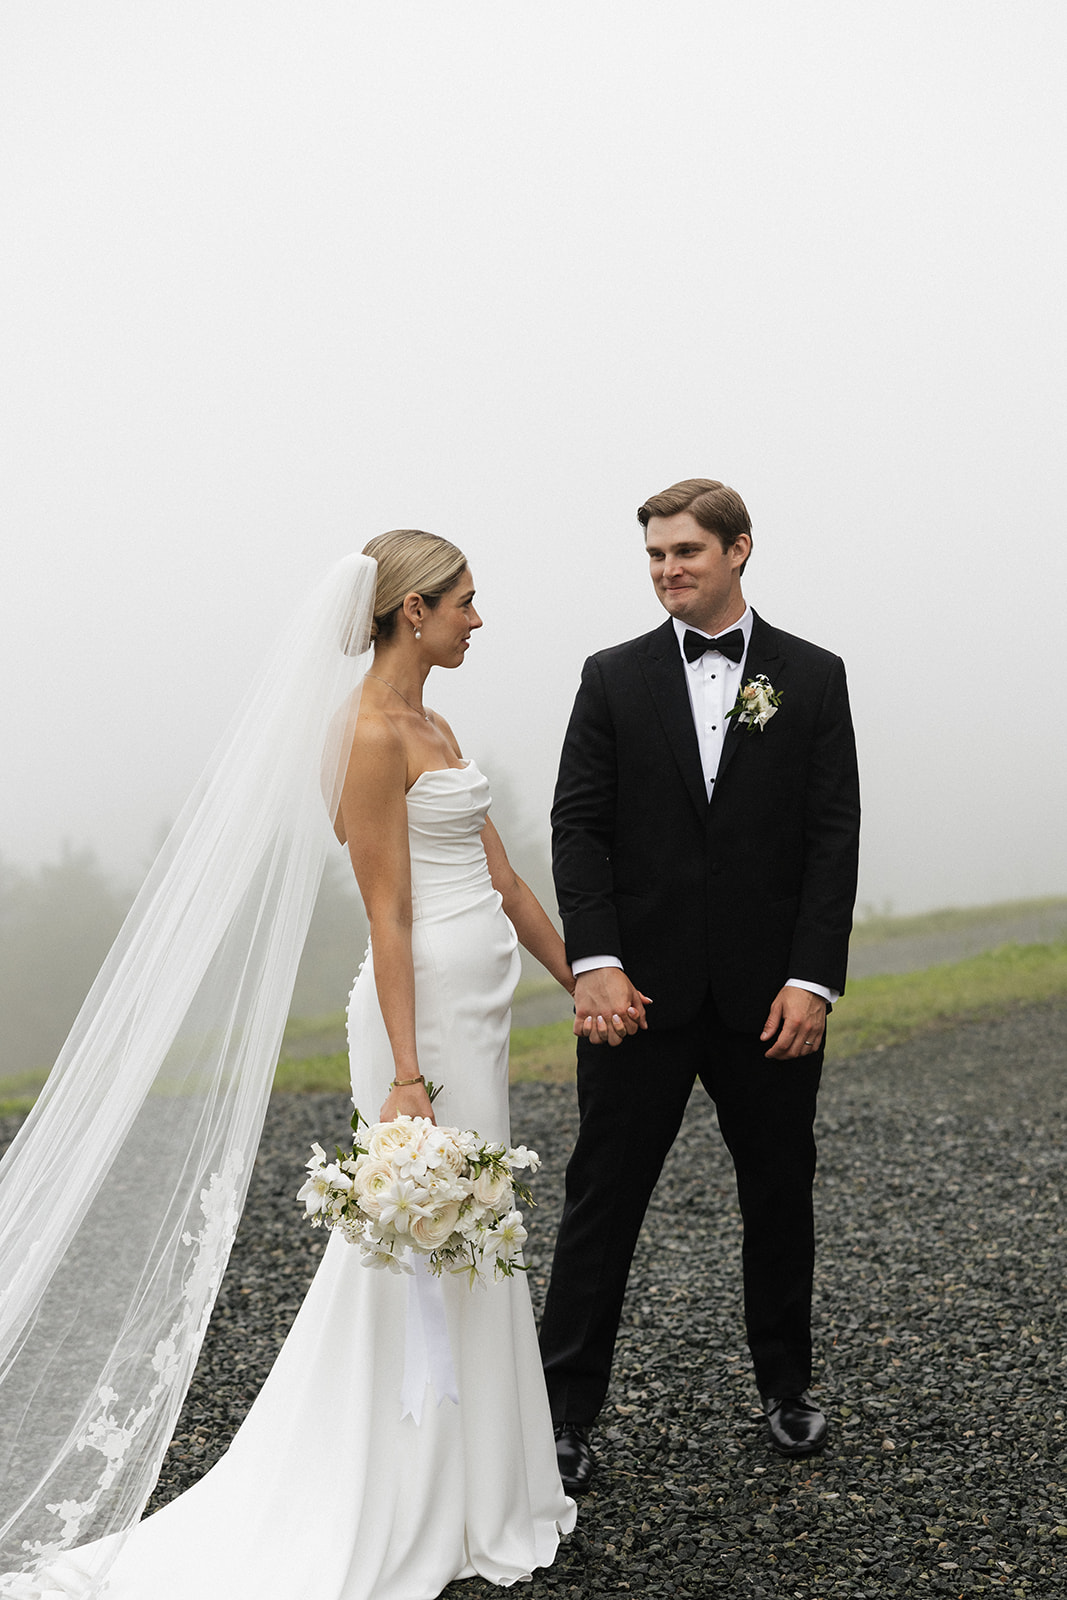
point(740, 550)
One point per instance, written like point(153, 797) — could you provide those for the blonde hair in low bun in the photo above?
point(410, 562)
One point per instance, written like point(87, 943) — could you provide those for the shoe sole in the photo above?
point(795, 1450)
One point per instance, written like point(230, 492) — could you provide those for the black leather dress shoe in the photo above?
point(574, 1456)
point(797, 1426)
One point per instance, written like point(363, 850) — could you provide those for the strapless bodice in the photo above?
point(446, 814)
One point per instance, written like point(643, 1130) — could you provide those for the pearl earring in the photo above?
point(418, 633)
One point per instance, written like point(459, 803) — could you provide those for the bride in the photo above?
point(403, 1437)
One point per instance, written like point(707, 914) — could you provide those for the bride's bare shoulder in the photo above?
point(377, 747)
point(376, 767)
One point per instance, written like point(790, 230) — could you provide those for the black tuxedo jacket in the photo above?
point(737, 894)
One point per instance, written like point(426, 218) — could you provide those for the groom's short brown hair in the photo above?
point(715, 507)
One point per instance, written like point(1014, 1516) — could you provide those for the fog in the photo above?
point(278, 277)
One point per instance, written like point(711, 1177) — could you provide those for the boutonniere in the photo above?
point(756, 703)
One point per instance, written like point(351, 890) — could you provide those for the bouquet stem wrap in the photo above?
point(427, 1348)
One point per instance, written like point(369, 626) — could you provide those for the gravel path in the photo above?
point(943, 1259)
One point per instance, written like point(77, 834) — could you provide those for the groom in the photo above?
point(704, 851)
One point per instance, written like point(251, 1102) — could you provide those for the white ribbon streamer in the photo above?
point(427, 1348)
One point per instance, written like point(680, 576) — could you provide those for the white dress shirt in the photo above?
point(713, 681)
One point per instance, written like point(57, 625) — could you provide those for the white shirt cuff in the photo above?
point(831, 996)
point(591, 963)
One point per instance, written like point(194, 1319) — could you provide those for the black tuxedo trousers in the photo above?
point(632, 1098)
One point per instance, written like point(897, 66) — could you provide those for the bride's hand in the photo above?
point(409, 1101)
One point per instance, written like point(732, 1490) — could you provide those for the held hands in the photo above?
point(409, 1101)
point(607, 1007)
point(798, 1017)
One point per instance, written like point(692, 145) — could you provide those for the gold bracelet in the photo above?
point(404, 1083)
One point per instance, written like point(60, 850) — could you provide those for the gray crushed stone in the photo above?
point(938, 1326)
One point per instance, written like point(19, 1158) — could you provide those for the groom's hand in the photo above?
point(798, 1017)
point(607, 1007)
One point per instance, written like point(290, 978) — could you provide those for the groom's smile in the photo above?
point(696, 577)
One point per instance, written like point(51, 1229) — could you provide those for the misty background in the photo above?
point(277, 277)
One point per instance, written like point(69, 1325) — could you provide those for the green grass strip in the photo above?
point(890, 1008)
point(876, 930)
point(874, 1012)
point(19, 1091)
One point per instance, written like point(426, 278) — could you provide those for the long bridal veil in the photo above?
point(121, 1194)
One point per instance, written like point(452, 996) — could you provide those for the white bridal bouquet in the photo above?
point(442, 1192)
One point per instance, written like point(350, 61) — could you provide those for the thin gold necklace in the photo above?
point(425, 715)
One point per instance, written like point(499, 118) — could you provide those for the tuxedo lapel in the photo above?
point(763, 656)
point(661, 664)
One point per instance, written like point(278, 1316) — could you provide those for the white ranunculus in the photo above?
point(431, 1231)
point(452, 1156)
point(491, 1187)
point(371, 1182)
point(388, 1137)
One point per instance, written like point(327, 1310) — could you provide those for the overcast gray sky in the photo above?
point(278, 276)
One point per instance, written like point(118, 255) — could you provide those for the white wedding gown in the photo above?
point(325, 1492)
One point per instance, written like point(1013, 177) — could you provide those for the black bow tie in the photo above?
point(730, 644)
